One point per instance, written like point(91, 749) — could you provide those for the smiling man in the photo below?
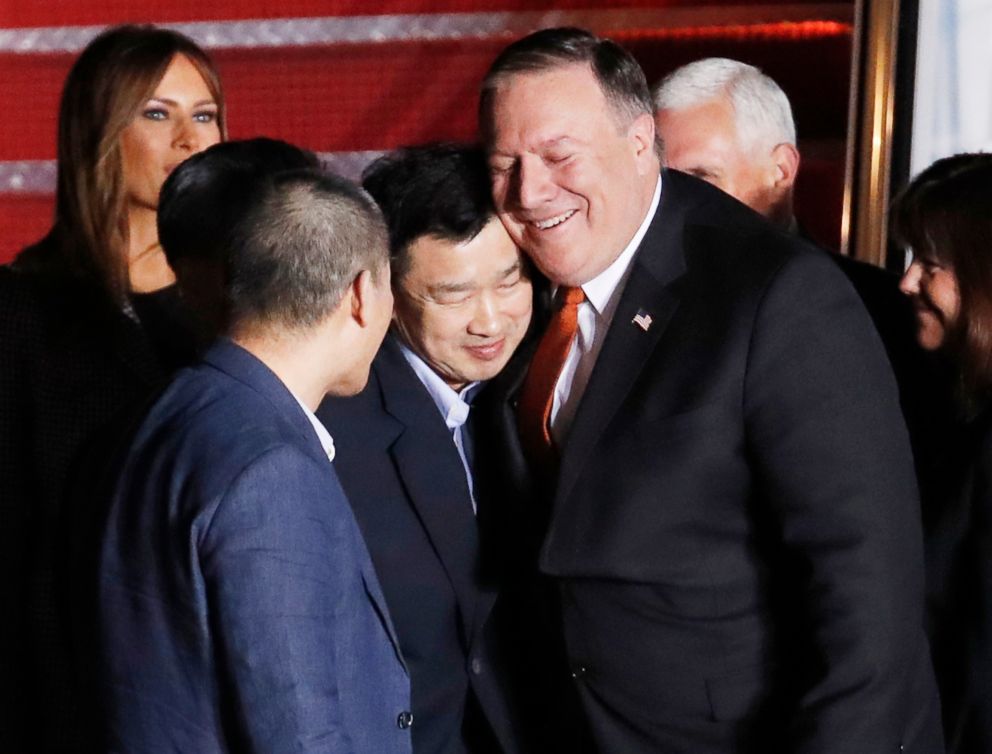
point(733, 525)
point(462, 306)
point(726, 122)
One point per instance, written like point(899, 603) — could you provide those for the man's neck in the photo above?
point(292, 358)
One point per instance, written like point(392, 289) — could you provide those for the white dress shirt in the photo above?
point(326, 441)
point(594, 317)
point(454, 407)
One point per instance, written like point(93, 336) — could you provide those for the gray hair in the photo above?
point(762, 112)
point(306, 238)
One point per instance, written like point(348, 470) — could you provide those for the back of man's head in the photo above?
point(203, 197)
point(440, 190)
point(201, 202)
point(762, 111)
point(301, 243)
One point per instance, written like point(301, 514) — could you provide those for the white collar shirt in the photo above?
point(454, 407)
point(326, 441)
point(594, 317)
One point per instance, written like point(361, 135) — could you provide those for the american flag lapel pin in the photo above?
point(642, 319)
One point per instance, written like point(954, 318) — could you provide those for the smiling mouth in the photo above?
point(552, 222)
point(489, 351)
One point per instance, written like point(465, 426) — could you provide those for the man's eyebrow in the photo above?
point(451, 287)
point(515, 267)
point(701, 170)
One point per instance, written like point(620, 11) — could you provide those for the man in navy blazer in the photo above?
point(238, 607)
point(733, 523)
point(463, 304)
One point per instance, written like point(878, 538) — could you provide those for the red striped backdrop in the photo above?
point(343, 77)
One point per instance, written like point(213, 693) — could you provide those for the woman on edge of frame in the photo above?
point(90, 324)
point(945, 218)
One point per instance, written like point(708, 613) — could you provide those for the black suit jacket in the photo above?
point(925, 392)
point(735, 528)
point(71, 363)
point(404, 478)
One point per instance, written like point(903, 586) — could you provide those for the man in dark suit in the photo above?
point(733, 521)
point(728, 123)
point(238, 608)
point(463, 304)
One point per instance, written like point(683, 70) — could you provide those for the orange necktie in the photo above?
point(537, 396)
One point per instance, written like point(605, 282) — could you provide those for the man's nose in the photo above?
point(485, 319)
point(534, 183)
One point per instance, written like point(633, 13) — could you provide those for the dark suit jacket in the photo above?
point(70, 363)
point(735, 528)
point(407, 486)
point(238, 606)
point(959, 586)
point(925, 393)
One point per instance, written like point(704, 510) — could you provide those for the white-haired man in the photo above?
point(728, 123)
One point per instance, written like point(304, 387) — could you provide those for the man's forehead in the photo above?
point(535, 117)
point(573, 82)
point(491, 247)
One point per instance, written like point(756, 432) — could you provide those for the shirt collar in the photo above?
point(454, 406)
point(326, 441)
point(600, 289)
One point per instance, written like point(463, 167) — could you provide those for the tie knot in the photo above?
point(572, 296)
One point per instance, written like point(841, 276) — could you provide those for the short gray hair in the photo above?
point(761, 110)
point(307, 236)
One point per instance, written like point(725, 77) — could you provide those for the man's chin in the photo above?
point(489, 370)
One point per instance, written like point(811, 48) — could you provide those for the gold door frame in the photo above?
point(864, 222)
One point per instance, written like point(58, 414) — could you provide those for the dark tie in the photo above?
point(537, 396)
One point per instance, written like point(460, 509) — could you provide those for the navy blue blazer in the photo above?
point(238, 607)
point(407, 486)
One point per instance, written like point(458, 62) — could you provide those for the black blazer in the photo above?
point(735, 528)
point(924, 391)
point(70, 363)
point(400, 469)
point(959, 586)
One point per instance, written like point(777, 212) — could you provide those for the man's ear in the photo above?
point(786, 159)
point(360, 291)
point(642, 137)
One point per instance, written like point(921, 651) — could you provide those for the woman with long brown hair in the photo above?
point(90, 322)
point(945, 218)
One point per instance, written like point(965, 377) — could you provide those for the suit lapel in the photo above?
point(374, 591)
point(434, 477)
point(651, 290)
point(247, 368)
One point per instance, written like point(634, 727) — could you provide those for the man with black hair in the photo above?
point(237, 606)
point(200, 204)
point(463, 304)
